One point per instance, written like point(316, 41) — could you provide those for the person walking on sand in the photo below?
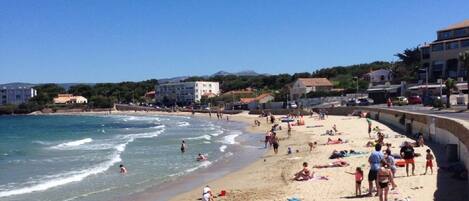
point(384, 179)
point(407, 153)
point(268, 135)
point(429, 163)
point(375, 163)
point(275, 144)
point(183, 146)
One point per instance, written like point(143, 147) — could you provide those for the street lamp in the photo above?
point(356, 79)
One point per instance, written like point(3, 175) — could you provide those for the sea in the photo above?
point(77, 157)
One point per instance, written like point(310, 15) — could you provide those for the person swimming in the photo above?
point(201, 157)
point(123, 170)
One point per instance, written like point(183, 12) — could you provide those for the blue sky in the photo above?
point(113, 40)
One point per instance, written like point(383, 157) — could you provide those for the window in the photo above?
point(465, 43)
point(452, 45)
point(444, 35)
point(437, 47)
point(460, 32)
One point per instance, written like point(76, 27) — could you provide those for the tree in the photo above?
point(450, 85)
point(406, 69)
point(81, 90)
point(464, 59)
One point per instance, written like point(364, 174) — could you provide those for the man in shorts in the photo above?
point(407, 153)
point(375, 163)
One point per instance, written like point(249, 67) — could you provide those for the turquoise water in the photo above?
point(77, 157)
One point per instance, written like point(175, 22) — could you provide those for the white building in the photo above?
point(186, 92)
point(16, 95)
point(70, 99)
point(380, 76)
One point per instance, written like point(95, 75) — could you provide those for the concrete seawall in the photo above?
point(449, 132)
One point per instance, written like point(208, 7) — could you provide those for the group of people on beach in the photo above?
point(383, 164)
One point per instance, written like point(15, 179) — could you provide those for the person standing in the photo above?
point(274, 140)
point(375, 164)
point(368, 120)
point(183, 146)
point(384, 180)
point(408, 153)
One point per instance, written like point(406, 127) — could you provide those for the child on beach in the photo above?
point(123, 170)
point(358, 180)
point(429, 163)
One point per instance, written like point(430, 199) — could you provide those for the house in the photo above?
point(303, 86)
point(263, 98)
point(440, 57)
point(380, 76)
point(16, 94)
point(69, 99)
point(150, 95)
point(185, 93)
point(257, 102)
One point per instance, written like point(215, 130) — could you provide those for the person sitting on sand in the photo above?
point(207, 194)
point(339, 163)
point(201, 157)
point(334, 127)
point(304, 174)
point(123, 170)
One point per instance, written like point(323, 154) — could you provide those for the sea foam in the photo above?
point(51, 181)
point(72, 143)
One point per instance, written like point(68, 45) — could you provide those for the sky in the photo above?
point(113, 40)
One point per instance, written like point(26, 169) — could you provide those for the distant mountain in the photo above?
point(66, 86)
point(173, 79)
point(240, 73)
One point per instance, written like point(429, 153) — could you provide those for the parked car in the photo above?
point(414, 100)
point(363, 102)
point(400, 100)
point(352, 102)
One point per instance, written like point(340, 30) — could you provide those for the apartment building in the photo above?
point(440, 57)
point(186, 92)
point(16, 95)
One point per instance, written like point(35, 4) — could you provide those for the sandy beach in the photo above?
point(270, 178)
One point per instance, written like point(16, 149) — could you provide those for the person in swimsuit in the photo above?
point(268, 135)
point(304, 174)
point(429, 163)
point(201, 157)
point(274, 141)
point(207, 194)
point(183, 146)
point(384, 179)
point(123, 170)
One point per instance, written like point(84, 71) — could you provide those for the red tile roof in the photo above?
point(462, 24)
point(258, 98)
point(309, 82)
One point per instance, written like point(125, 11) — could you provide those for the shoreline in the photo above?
point(219, 169)
point(269, 177)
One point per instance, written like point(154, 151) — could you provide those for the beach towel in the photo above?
point(316, 126)
point(293, 199)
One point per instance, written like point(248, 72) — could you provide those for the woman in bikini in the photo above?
point(304, 174)
point(384, 180)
